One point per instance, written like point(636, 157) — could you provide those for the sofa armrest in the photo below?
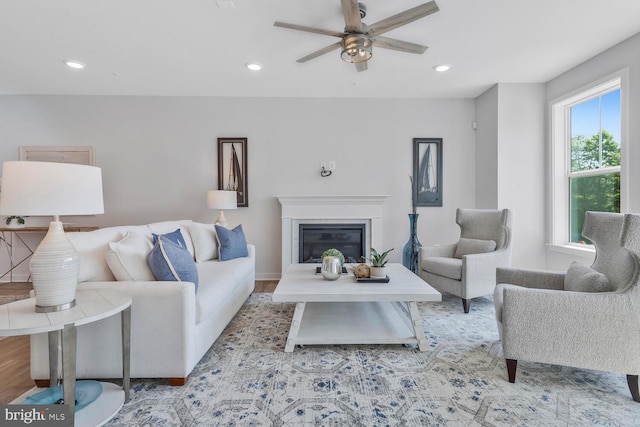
point(530, 278)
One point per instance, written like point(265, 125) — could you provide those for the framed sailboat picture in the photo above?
point(232, 168)
point(427, 171)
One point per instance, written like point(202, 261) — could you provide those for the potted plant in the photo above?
point(378, 262)
point(14, 221)
point(333, 252)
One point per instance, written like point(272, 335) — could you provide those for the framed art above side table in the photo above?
point(232, 168)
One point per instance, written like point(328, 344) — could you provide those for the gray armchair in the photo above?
point(468, 268)
point(596, 324)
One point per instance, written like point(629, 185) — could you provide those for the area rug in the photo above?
point(247, 380)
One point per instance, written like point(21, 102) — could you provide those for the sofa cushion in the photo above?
point(127, 258)
point(205, 242)
point(169, 261)
point(580, 278)
point(232, 243)
point(92, 247)
point(443, 266)
point(217, 280)
point(169, 226)
point(175, 236)
point(473, 246)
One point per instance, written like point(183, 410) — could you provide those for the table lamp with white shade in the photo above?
point(52, 189)
point(222, 199)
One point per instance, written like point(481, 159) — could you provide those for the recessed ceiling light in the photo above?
point(72, 63)
point(254, 66)
point(441, 68)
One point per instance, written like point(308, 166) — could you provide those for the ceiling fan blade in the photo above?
point(361, 66)
point(402, 46)
point(308, 29)
point(403, 18)
point(319, 52)
point(352, 20)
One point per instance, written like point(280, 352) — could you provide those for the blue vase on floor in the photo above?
point(410, 249)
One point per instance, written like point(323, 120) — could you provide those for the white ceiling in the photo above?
point(196, 48)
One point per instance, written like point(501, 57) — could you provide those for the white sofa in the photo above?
point(172, 326)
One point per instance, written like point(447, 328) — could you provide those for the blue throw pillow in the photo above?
point(168, 261)
point(174, 236)
point(232, 243)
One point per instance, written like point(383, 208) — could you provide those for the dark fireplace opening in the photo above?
point(317, 238)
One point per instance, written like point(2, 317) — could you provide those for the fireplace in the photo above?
point(316, 238)
point(329, 210)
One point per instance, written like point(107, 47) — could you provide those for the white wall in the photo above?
point(624, 55)
point(487, 149)
point(159, 156)
point(510, 149)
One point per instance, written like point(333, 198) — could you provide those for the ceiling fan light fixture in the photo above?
point(356, 48)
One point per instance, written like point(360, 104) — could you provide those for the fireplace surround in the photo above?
point(314, 209)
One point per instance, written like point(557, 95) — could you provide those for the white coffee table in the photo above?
point(349, 312)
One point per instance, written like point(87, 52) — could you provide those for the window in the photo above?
point(587, 152)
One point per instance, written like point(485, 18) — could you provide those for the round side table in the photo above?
point(20, 318)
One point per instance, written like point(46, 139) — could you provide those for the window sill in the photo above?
point(577, 250)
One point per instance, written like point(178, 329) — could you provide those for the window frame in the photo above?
point(560, 156)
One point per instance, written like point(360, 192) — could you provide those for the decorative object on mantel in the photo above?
point(378, 262)
point(221, 199)
point(411, 248)
point(232, 168)
point(14, 221)
point(44, 189)
point(331, 268)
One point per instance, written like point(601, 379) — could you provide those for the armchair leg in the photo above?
point(466, 304)
point(512, 364)
point(632, 381)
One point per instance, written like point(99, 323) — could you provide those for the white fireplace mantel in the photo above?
point(330, 210)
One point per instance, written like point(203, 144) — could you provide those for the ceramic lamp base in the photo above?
point(54, 271)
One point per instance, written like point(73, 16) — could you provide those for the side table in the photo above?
point(20, 318)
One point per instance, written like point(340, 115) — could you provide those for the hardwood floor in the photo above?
point(15, 377)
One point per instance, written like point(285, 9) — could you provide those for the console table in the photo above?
point(20, 318)
point(16, 232)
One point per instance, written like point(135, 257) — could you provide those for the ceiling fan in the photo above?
point(358, 38)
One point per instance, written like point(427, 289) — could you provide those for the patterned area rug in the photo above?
point(247, 380)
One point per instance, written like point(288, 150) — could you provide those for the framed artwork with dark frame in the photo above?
point(232, 168)
point(427, 171)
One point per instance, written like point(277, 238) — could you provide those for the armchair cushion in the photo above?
point(441, 266)
point(474, 246)
point(580, 278)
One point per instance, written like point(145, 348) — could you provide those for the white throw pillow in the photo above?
point(473, 246)
point(127, 258)
point(170, 226)
point(580, 278)
point(205, 241)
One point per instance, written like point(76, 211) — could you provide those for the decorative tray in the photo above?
point(344, 270)
point(372, 279)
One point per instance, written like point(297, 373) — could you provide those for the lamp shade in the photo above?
point(46, 188)
point(222, 199)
